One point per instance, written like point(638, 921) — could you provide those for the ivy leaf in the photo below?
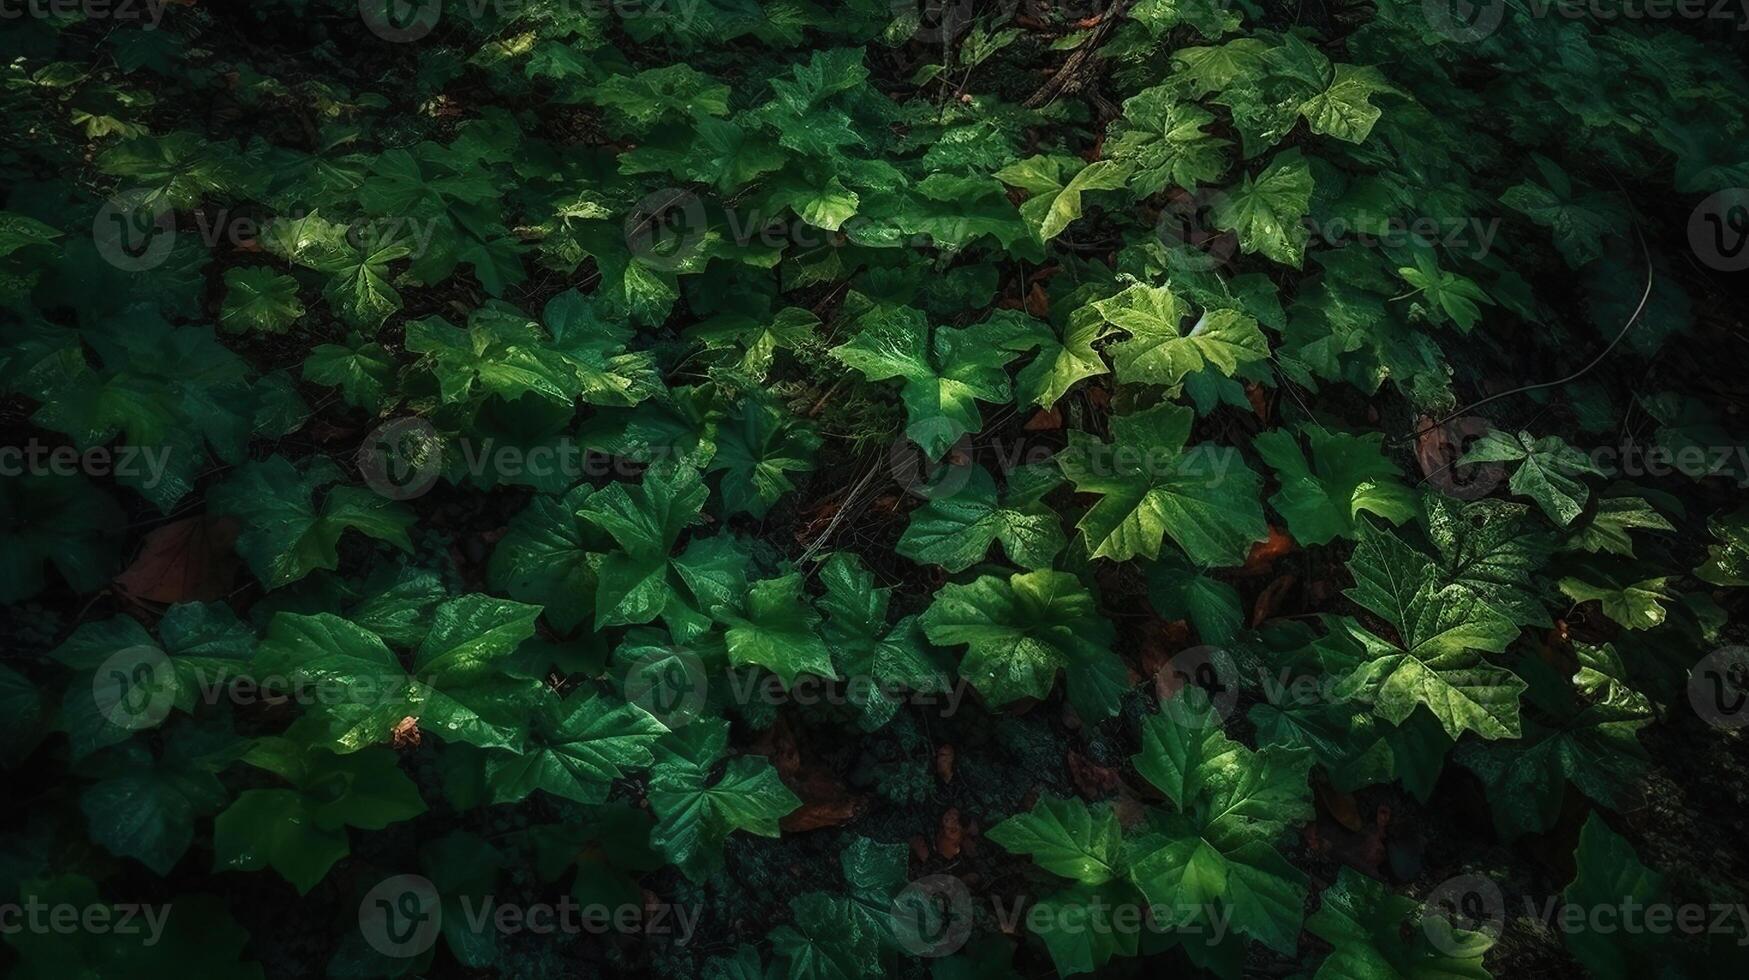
point(1378, 934)
point(1062, 360)
point(637, 583)
point(1637, 605)
point(1548, 471)
point(1616, 515)
point(360, 367)
point(1580, 222)
point(1162, 140)
point(545, 557)
point(1020, 632)
point(1054, 185)
point(1347, 475)
point(145, 808)
point(955, 530)
point(756, 451)
point(1490, 549)
point(946, 372)
point(286, 536)
point(259, 300)
point(1588, 738)
point(1180, 590)
point(1205, 498)
point(1727, 562)
point(825, 940)
point(1442, 629)
point(879, 660)
point(1067, 838)
point(776, 628)
point(1160, 351)
point(577, 747)
point(696, 813)
point(1268, 212)
point(1342, 109)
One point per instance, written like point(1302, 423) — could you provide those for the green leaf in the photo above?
point(1205, 498)
point(777, 628)
point(879, 661)
point(1347, 475)
point(1179, 590)
point(259, 300)
point(1065, 837)
point(1342, 109)
point(1163, 141)
point(1019, 633)
point(286, 535)
point(756, 453)
point(1610, 875)
point(1376, 934)
point(955, 530)
point(360, 367)
point(577, 747)
point(696, 813)
point(545, 557)
point(1548, 471)
point(1160, 350)
point(1443, 629)
point(1054, 185)
point(946, 371)
point(1268, 212)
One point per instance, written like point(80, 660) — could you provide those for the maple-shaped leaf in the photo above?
point(641, 580)
point(1067, 838)
point(1375, 933)
point(1179, 590)
point(257, 299)
point(1054, 185)
point(1020, 632)
point(457, 688)
point(1585, 733)
point(1152, 486)
point(1346, 475)
point(775, 626)
point(880, 660)
point(300, 832)
point(1580, 221)
point(1443, 628)
point(1548, 470)
point(286, 534)
point(1162, 348)
point(1268, 211)
point(756, 452)
point(955, 530)
point(546, 557)
point(1162, 138)
point(697, 808)
point(360, 368)
point(577, 746)
point(1491, 549)
point(946, 371)
point(1342, 109)
point(1233, 806)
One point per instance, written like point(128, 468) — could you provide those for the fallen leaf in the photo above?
point(944, 762)
point(190, 560)
point(1264, 553)
point(948, 838)
point(1270, 599)
point(1091, 779)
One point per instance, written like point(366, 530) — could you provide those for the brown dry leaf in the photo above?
point(944, 762)
point(950, 835)
point(825, 801)
point(1092, 780)
point(1340, 806)
point(405, 734)
point(1270, 599)
point(1259, 399)
point(190, 560)
point(1264, 553)
point(1044, 420)
point(1037, 303)
point(1438, 447)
